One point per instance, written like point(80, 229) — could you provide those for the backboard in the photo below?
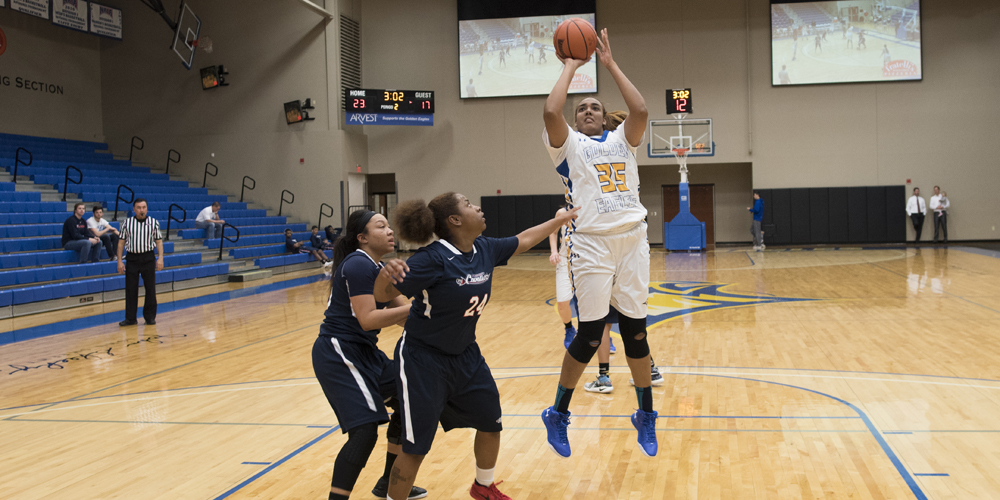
point(186, 35)
point(694, 135)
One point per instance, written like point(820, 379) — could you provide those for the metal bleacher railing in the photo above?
point(243, 189)
point(323, 214)
point(67, 180)
point(204, 180)
point(283, 200)
point(226, 238)
point(141, 145)
point(170, 159)
point(17, 161)
point(170, 217)
point(118, 197)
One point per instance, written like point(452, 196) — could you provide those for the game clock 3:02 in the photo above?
point(389, 101)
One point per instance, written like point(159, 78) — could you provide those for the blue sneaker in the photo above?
point(570, 334)
point(555, 430)
point(645, 423)
point(612, 342)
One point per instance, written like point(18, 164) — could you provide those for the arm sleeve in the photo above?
point(92, 223)
point(359, 276)
point(156, 230)
point(559, 154)
point(425, 270)
point(501, 249)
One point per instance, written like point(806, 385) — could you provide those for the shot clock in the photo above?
point(678, 101)
point(389, 101)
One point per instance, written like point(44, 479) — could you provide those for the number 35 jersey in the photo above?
point(601, 177)
point(450, 290)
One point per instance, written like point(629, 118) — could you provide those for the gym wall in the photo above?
point(50, 80)
point(814, 136)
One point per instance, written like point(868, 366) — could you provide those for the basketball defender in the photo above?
point(608, 247)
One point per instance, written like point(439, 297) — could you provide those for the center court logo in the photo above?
point(670, 299)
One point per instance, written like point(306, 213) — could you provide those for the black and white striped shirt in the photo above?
point(140, 237)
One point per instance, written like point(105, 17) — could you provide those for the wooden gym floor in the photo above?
point(883, 385)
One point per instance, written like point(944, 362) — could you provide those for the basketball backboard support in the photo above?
point(186, 35)
point(694, 135)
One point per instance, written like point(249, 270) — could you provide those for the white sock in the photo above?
point(387, 497)
point(484, 476)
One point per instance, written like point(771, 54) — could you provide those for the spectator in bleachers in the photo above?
point(76, 237)
point(208, 219)
point(331, 235)
point(318, 242)
point(103, 230)
point(294, 246)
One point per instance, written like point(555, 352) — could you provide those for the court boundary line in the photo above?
point(274, 465)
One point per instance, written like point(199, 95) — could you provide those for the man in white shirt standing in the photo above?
point(916, 208)
point(940, 204)
point(100, 228)
point(209, 220)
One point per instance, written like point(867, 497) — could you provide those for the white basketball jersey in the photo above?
point(601, 177)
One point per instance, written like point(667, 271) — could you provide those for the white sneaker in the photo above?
point(655, 375)
point(601, 385)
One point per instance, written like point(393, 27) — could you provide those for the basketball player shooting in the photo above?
point(607, 245)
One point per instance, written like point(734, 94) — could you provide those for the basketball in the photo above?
point(575, 38)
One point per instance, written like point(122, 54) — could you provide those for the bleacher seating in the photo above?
point(810, 14)
point(261, 239)
point(287, 260)
point(495, 29)
point(34, 268)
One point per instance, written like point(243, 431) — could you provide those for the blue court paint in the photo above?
point(256, 463)
point(271, 467)
point(914, 488)
point(163, 307)
point(931, 474)
point(320, 426)
point(752, 263)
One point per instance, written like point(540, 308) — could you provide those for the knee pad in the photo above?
point(394, 432)
point(634, 336)
point(587, 340)
point(354, 455)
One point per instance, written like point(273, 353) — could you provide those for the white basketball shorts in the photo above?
point(610, 269)
point(564, 286)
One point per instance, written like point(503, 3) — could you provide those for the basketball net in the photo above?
point(681, 155)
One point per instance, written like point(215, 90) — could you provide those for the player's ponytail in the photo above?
point(612, 119)
point(417, 222)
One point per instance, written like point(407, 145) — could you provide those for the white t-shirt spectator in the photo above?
point(97, 225)
point(207, 214)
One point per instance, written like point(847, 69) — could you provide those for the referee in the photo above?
point(139, 235)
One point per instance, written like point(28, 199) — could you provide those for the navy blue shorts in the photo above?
point(356, 378)
point(458, 391)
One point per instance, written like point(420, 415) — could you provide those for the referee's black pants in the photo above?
point(140, 264)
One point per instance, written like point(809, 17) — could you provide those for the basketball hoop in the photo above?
point(204, 43)
point(681, 155)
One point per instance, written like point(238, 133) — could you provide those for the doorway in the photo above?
point(702, 206)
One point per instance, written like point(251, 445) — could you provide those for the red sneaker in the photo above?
point(483, 493)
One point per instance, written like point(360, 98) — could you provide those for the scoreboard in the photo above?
point(389, 101)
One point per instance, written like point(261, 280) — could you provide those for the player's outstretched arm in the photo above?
point(635, 124)
point(555, 123)
point(534, 235)
point(393, 272)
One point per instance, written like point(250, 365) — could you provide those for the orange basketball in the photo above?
point(575, 38)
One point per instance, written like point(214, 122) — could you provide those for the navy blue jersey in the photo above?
point(450, 289)
point(316, 241)
point(355, 276)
